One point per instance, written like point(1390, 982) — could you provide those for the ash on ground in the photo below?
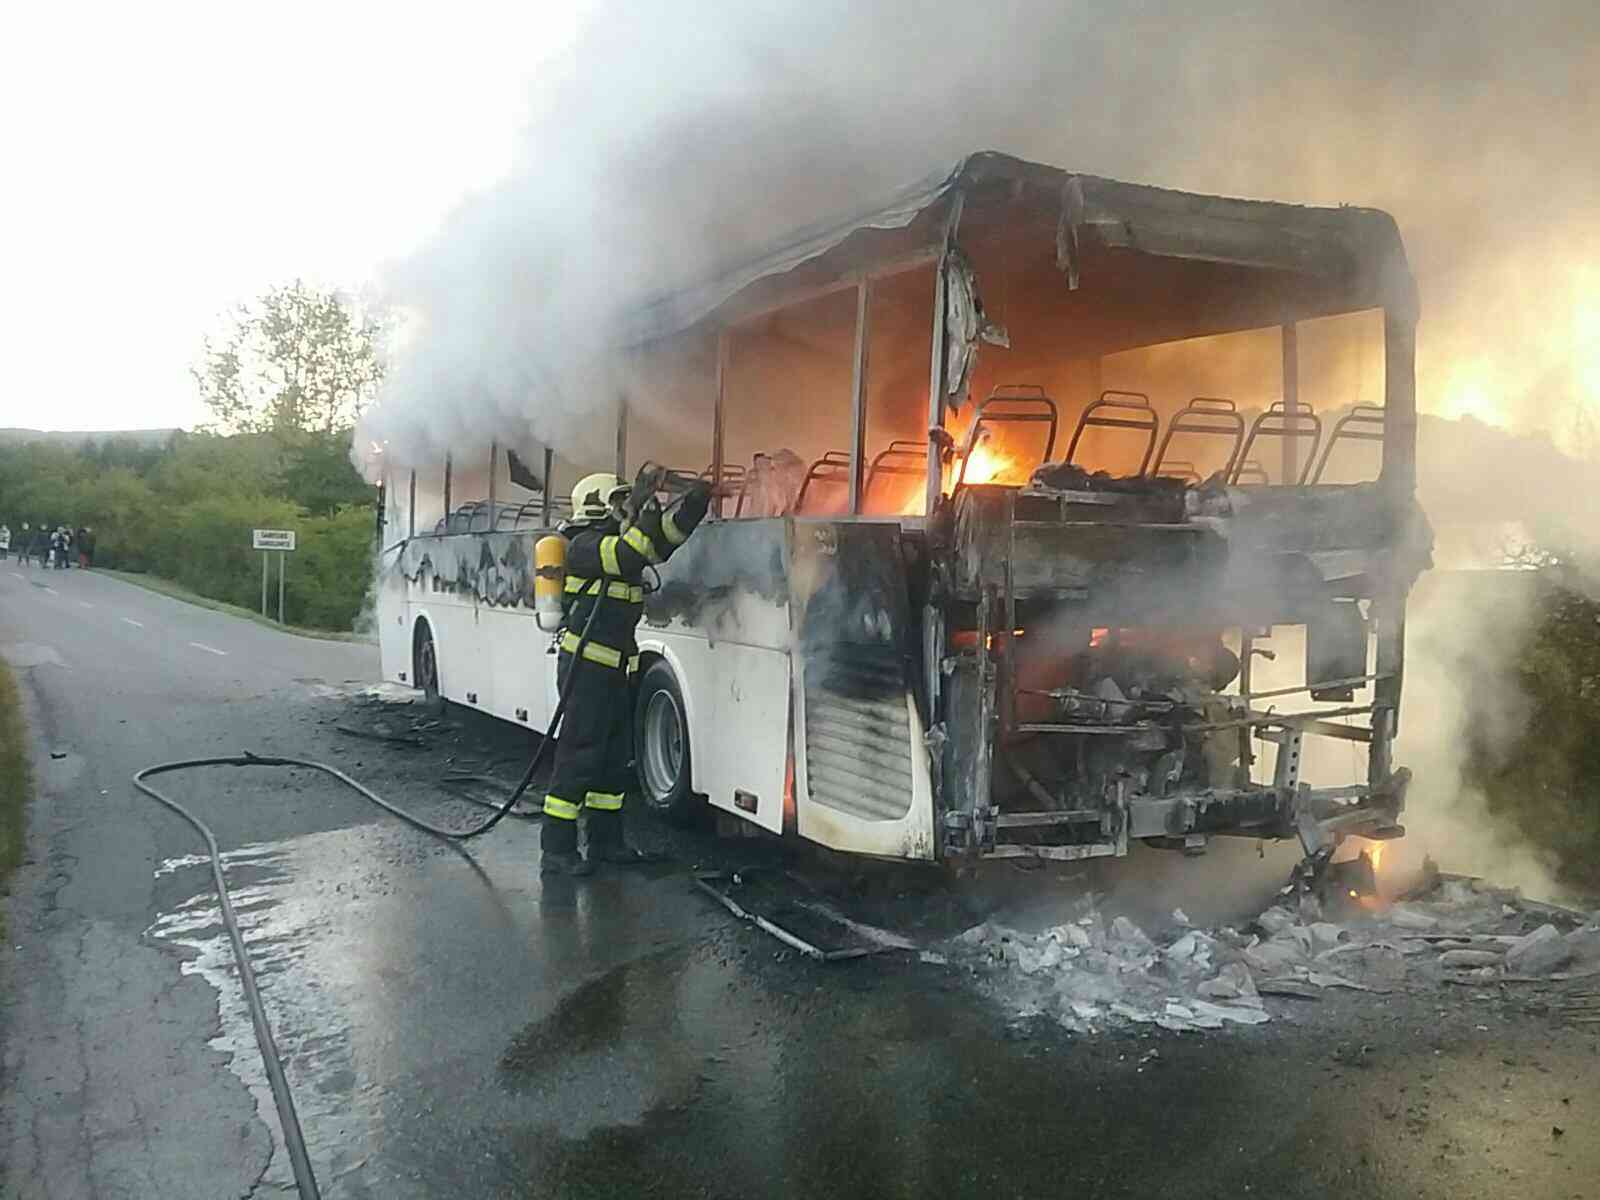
point(1095, 971)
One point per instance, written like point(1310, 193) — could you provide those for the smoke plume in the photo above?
point(673, 141)
point(668, 143)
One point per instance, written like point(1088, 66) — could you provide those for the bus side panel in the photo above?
point(737, 699)
point(721, 618)
point(394, 621)
point(523, 666)
point(465, 677)
point(862, 780)
point(909, 836)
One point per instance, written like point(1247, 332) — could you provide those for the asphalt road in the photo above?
point(454, 1027)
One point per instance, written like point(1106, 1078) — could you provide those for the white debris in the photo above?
point(1275, 920)
point(1072, 936)
point(1542, 951)
point(1126, 935)
point(1274, 955)
point(1325, 935)
point(1463, 960)
point(1237, 1014)
point(1232, 982)
point(1184, 949)
point(1092, 971)
point(1404, 916)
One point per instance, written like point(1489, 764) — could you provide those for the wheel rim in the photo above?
point(663, 744)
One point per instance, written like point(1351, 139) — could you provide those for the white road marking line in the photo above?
point(49, 589)
point(85, 604)
point(208, 649)
point(135, 624)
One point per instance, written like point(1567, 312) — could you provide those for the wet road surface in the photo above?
point(453, 1025)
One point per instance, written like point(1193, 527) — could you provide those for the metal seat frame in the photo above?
point(1278, 422)
point(1149, 423)
point(1205, 416)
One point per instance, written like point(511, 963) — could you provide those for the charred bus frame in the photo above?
point(869, 672)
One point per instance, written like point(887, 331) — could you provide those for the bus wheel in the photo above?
point(425, 667)
point(661, 745)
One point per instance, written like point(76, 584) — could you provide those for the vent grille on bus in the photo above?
point(858, 733)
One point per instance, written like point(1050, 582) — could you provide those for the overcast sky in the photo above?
point(165, 162)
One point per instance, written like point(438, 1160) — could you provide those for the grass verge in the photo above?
point(165, 587)
point(16, 781)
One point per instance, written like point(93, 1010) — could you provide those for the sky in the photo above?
point(168, 162)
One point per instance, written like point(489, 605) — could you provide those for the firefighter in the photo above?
point(606, 560)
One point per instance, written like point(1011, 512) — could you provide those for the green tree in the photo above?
point(299, 360)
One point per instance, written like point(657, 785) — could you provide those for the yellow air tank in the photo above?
point(549, 580)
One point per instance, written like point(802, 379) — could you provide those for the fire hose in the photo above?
point(283, 1099)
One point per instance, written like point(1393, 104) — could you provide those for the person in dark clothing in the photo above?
point(81, 540)
point(41, 545)
point(606, 561)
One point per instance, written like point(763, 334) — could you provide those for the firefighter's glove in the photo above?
point(695, 502)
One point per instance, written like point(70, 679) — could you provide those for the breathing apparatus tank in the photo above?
point(549, 580)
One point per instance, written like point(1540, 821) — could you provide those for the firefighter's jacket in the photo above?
point(601, 559)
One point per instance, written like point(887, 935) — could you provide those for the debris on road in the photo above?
point(1095, 971)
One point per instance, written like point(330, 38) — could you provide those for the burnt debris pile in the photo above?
point(1096, 972)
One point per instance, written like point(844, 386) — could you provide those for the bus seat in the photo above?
point(1250, 472)
point(732, 486)
point(1363, 423)
point(1204, 416)
point(1177, 468)
point(831, 470)
point(901, 458)
point(1012, 403)
point(1278, 422)
point(1143, 419)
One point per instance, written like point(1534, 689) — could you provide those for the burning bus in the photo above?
point(1051, 513)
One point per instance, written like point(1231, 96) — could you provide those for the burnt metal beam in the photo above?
point(1291, 402)
point(549, 468)
point(1026, 820)
point(858, 394)
point(622, 435)
point(494, 463)
point(724, 350)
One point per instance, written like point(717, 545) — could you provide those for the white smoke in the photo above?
point(670, 142)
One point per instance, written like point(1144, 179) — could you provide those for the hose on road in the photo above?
point(283, 1099)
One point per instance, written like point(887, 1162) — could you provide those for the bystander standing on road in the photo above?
point(40, 548)
point(81, 540)
point(5, 541)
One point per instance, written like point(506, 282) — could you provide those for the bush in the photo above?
point(1546, 782)
point(185, 512)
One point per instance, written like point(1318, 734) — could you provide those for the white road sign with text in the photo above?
point(272, 539)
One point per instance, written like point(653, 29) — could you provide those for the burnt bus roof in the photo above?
point(1330, 259)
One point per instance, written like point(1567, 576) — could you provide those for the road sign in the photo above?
point(272, 539)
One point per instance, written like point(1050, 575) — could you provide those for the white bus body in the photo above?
point(1065, 655)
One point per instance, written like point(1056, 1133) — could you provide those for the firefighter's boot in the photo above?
point(606, 842)
point(558, 842)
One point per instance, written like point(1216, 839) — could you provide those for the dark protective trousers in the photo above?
point(594, 757)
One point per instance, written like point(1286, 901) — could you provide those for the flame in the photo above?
point(987, 465)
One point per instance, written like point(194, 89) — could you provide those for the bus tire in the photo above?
point(425, 667)
point(661, 745)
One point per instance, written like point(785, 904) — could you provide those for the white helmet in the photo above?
point(594, 494)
